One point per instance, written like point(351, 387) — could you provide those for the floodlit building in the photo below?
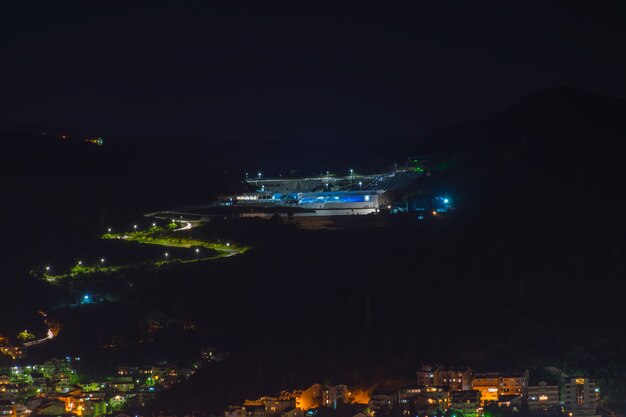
point(493, 385)
point(310, 397)
point(543, 397)
point(487, 384)
point(581, 398)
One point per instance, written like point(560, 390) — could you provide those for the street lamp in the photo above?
point(101, 260)
point(47, 268)
point(259, 174)
point(135, 226)
point(80, 262)
point(166, 255)
point(109, 230)
point(153, 224)
point(227, 244)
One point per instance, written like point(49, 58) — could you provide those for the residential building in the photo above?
point(310, 397)
point(493, 385)
point(53, 408)
point(581, 397)
point(333, 395)
point(487, 384)
point(456, 379)
point(514, 384)
point(426, 375)
point(543, 397)
point(467, 402)
point(510, 401)
point(422, 400)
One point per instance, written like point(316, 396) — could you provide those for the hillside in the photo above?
point(553, 159)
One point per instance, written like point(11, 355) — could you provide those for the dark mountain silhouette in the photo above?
point(554, 116)
point(553, 159)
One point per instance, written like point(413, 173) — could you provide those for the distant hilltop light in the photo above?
point(96, 141)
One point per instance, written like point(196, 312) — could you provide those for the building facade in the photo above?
point(455, 379)
point(467, 402)
point(543, 397)
point(493, 385)
point(581, 397)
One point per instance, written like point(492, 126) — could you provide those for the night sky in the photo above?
point(301, 72)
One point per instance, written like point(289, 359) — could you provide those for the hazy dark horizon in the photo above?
point(293, 73)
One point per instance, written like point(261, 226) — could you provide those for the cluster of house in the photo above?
point(54, 389)
point(438, 389)
point(298, 402)
point(13, 352)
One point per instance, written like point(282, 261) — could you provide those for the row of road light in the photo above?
point(260, 174)
point(78, 263)
point(48, 268)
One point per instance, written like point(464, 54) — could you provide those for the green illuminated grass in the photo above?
point(160, 236)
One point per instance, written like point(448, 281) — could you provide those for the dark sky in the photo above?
point(298, 71)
